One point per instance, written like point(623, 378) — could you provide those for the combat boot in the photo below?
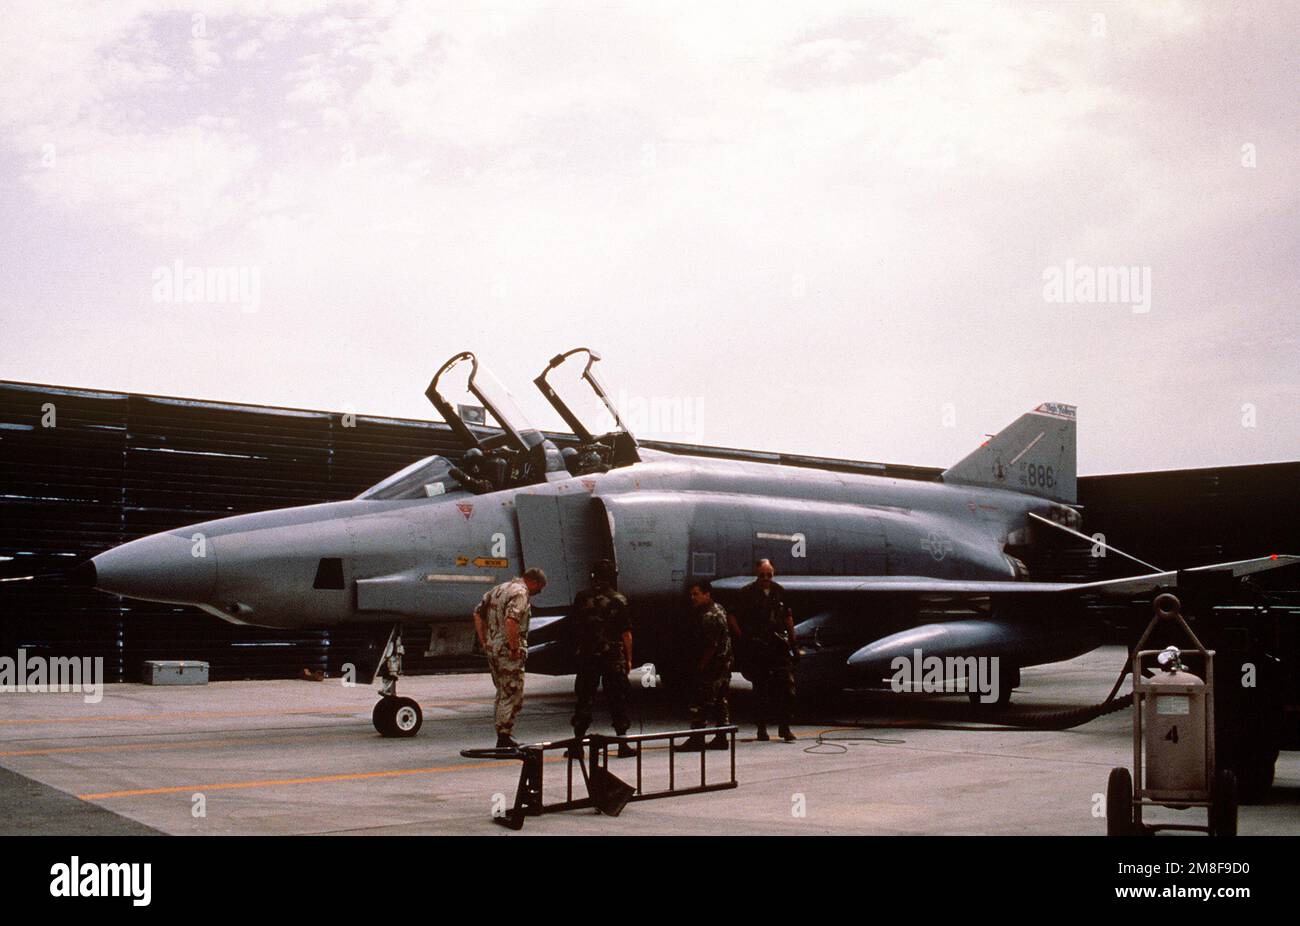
point(575, 751)
point(786, 735)
point(719, 741)
point(506, 741)
point(762, 736)
point(694, 742)
point(625, 750)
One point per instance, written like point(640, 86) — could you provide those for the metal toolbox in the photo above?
point(175, 672)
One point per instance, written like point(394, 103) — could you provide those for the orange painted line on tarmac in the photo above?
point(167, 744)
point(187, 714)
point(316, 779)
point(348, 708)
point(279, 782)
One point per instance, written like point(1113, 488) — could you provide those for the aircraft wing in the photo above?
point(1132, 585)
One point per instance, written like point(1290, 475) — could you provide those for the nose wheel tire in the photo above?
point(397, 717)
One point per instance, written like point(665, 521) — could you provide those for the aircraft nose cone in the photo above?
point(160, 567)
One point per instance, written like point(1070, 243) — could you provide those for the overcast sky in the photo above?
point(810, 227)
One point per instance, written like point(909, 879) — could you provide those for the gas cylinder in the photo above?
point(1174, 728)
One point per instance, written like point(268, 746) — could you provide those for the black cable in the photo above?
point(838, 745)
point(1074, 717)
point(1045, 720)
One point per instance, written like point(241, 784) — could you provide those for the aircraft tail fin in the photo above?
point(1035, 454)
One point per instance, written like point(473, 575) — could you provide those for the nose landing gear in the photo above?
point(394, 716)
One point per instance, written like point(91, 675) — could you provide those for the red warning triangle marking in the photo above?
point(590, 484)
point(466, 509)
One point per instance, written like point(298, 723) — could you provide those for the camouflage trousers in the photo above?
point(709, 698)
point(508, 676)
point(608, 672)
point(773, 690)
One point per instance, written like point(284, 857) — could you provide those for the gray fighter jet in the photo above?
point(862, 558)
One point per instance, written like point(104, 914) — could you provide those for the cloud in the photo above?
point(845, 209)
point(178, 182)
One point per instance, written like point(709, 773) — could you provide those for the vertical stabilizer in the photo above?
point(1035, 454)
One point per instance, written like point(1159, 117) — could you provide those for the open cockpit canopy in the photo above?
point(519, 455)
point(574, 389)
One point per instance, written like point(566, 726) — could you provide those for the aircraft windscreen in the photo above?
point(425, 478)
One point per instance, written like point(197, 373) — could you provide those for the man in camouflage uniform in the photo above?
point(712, 670)
point(765, 634)
point(603, 646)
point(501, 622)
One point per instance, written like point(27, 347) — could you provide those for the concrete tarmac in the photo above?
point(300, 757)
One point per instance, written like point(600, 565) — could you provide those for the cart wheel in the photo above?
point(1223, 804)
point(1119, 803)
point(1255, 775)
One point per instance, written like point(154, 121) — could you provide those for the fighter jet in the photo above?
point(862, 558)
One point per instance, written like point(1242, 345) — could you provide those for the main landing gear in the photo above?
point(394, 716)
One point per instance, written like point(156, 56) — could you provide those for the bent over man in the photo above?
point(501, 622)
